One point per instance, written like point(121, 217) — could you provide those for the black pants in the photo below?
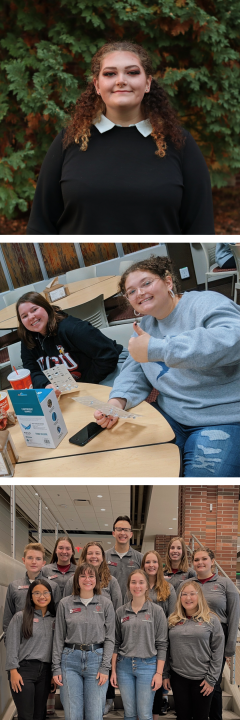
point(157, 703)
point(31, 701)
point(229, 264)
point(111, 690)
point(190, 703)
point(216, 706)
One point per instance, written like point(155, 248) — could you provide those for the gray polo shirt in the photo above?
point(196, 650)
point(17, 593)
point(167, 605)
point(81, 624)
point(111, 591)
point(37, 647)
point(223, 598)
point(121, 568)
point(180, 576)
point(51, 572)
point(142, 634)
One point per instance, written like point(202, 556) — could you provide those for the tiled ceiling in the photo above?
point(104, 504)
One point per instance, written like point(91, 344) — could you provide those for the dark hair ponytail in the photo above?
point(28, 612)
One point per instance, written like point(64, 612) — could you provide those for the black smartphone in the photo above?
point(86, 434)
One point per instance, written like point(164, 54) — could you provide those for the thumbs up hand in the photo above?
point(138, 346)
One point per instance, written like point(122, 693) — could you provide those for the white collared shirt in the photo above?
point(144, 127)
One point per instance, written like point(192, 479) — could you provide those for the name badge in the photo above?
point(35, 620)
point(23, 587)
point(52, 576)
point(112, 563)
point(125, 619)
point(75, 610)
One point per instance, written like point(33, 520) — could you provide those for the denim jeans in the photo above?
point(134, 676)
point(81, 695)
point(207, 451)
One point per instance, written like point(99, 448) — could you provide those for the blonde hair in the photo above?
point(183, 565)
point(161, 586)
point(103, 570)
point(202, 612)
point(141, 572)
point(38, 547)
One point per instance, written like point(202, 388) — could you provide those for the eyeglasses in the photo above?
point(118, 529)
point(38, 594)
point(191, 595)
point(132, 293)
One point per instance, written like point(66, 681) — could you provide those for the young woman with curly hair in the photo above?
point(188, 348)
point(123, 164)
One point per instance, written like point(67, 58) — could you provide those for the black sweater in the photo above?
point(87, 353)
point(120, 186)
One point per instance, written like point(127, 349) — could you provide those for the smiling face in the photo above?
point(33, 317)
point(64, 552)
point(189, 599)
point(203, 564)
point(122, 81)
point(138, 585)
point(175, 552)
point(87, 583)
point(151, 565)
point(122, 532)
point(149, 294)
point(94, 556)
point(41, 597)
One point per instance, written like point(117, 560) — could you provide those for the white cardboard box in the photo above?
point(39, 417)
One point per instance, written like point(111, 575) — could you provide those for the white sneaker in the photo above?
point(108, 706)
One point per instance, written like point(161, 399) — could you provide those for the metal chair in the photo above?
point(235, 250)
point(209, 252)
point(81, 274)
point(14, 295)
point(93, 311)
point(14, 352)
point(124, 265)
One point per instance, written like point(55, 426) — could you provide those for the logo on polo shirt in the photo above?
point(23, 587)
point(75, 610)
point(131, 563)
point(98, 609)
point(125, 619)
point(147, 617)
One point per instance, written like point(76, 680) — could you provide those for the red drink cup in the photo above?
point(20, 380)
point(4, 404)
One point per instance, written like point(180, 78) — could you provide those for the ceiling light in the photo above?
point(102, 509)
point(174, 518)
point(46, 507)
point(99, 495)
point(106, 524)
point(109, 542)
point(170, 528)
point(36, 493)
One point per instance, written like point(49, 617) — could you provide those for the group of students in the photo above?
point(122, 622)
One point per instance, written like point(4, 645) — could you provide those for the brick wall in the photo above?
point(216, 528)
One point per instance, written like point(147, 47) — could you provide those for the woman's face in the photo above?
point(64, 552)
point(175, 552)
point(122, 81)
point(87, 581)
point(138, 585)
point(151, 565)
point(41, 596)
point(189, 599)
point(203, 564)
point(33, 317)
point(147, 293)
point(94, 556)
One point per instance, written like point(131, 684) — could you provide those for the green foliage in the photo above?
point(45, 54)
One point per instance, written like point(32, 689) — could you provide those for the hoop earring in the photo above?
point(136, 313)
point(171, 293)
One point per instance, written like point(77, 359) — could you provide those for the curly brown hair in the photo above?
point(55, 314)
point(103, 570)
point(161, 266)
point(161, 586)
point(155, 104)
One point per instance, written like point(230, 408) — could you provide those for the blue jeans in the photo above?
point(134, 676)
point(81, 695)
point(207, 451)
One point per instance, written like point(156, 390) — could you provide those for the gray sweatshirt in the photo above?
point(37, 647)
point(167, 605)
point(176, 579)
point(121, 568)
point(223, 598)
point(51, 572)
point(17, 593)
point(196, 650)
point(193, 360)
point(142, 634)
point(84, 624)
point(111, 591)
